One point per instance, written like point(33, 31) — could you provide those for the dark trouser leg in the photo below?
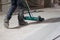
point(10, 12)
point(21, 12)
point(12, 9)
point(20, 16)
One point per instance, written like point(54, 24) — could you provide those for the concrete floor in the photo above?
point(54, 35)
point(28, 32)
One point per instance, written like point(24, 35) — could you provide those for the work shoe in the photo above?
point(23, 23)
point(6, 23)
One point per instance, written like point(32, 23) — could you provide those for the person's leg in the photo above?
point(21, 18)
point(10, 12)
point(12, 9)
point(21, 12)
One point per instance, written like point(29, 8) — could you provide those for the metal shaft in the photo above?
point(28, 8)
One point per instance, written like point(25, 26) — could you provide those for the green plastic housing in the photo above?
point(33, 18)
